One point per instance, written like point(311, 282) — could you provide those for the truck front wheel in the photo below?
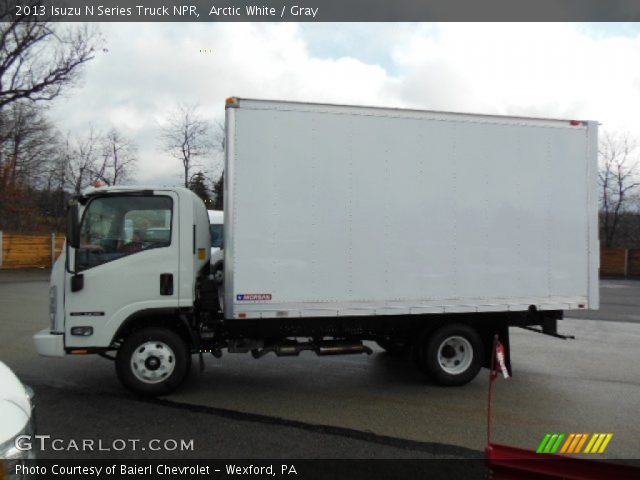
point(451, 355)
point(153, 361)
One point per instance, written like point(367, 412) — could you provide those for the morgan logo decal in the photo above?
point(253, 297)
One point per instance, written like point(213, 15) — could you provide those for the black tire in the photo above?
point(395, 348)
point(176, 359)
point(452, 355)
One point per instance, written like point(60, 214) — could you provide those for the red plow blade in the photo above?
point(512, 463)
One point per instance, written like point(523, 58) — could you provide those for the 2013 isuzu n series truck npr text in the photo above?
point(423, 231)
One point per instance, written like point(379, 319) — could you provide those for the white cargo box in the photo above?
point(339, 211)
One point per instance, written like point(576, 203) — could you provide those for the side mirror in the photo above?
point(77, 282)
point(73, 226)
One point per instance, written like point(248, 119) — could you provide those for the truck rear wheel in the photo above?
point(451, 355)
point(153, 361)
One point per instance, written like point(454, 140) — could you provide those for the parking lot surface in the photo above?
point(345, 406)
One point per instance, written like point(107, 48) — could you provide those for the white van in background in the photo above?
point(216, 222)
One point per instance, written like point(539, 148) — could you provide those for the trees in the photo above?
point(27, 141)
point(617, 179)
point(39, 59)
point(218, 192)
point(218, 185)
point(81, 161)
point(118, 159)
point(198, 185)
point(186, 138)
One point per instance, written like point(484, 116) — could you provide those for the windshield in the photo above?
point(117, 226)
point(216, 235)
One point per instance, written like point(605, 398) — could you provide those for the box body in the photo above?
point(341, 211)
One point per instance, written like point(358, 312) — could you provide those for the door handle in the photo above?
point(166, 284)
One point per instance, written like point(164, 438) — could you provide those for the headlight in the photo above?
point(53, 306)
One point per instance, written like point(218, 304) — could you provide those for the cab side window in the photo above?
point(117, 226)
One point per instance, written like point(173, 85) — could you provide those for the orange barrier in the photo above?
point(633, 262)
point(613, 261)
point(29, 251)
point(620, 262)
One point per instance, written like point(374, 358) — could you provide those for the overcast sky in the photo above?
point(582, 71)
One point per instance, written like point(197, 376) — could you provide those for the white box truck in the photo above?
point(426, 232)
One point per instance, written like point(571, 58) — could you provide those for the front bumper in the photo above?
point(49, 344)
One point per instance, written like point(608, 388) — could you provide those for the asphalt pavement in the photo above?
point(619, 302)
point(345, 406)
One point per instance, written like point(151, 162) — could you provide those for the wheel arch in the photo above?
point(154, 317)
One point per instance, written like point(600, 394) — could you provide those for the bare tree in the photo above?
point(617, 180)
point(118, 159)
point(186, 138)
point(81, 161)
point(39, 59)
point(219, 138)
point(77, 161)
point(27, 142)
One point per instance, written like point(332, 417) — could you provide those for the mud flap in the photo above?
point(502, 330)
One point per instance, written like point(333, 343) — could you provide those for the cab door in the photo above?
point(127, 263)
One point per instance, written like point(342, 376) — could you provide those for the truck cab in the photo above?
point(133, 257)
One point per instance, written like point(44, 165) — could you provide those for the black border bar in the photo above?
point(323, 10)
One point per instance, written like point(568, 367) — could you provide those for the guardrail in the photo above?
point(29, 251)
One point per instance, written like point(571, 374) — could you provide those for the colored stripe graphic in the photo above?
point(590, 444)
point(598, 443)
point(606, 442)
point(555, 442)
point(550, 443)
point(568, 442)
point(584, 439)
point(556, 446)
point(543, 443)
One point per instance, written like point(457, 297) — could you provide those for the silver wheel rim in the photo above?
point(455, 355)
point(153, 362)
